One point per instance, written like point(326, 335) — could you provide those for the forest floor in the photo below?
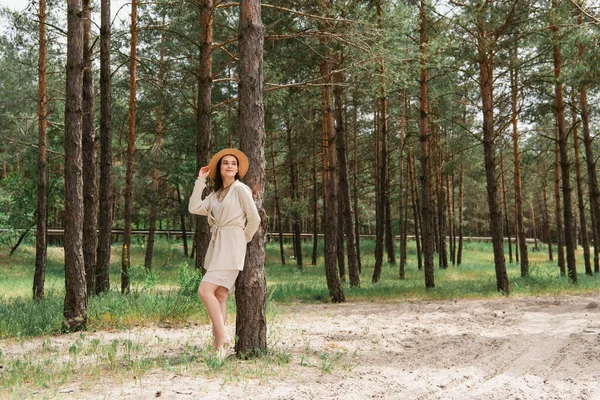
point(500, 348)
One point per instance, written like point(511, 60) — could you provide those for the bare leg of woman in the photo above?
point(222, 293)
point(207, 292)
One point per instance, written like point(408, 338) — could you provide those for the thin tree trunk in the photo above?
point(426, 211)
point(585, 243)
point(75, 305)
point(251, 286)
point(402, 220)
point(42, 196)
point(157, 150)
point(514, 79)
point(547, 221)
point(564, 158)
point(204, 120)
point(590, 160)
point(355, 187)
point(344, 189)
point(105, 216)
point(558, 207)
point(90, 189)
point(126, 251)
point(461, 196)
point(486, 71)
point(505, 202)
point(415, 207)
point(449, 198)
point(277, 208)
point(315, 198)
point(295, 193)
point(182, 222)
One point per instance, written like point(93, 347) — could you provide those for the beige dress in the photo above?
point(233, 222)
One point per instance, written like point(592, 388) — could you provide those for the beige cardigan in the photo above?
point(234, 226)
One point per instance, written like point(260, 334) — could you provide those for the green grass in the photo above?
point(168, 294)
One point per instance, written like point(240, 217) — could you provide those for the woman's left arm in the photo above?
point(249, 207)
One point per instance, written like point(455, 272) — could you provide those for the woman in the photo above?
point(233, 220)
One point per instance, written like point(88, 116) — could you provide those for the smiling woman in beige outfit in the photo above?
point(233, 220)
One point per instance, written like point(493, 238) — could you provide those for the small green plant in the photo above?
point(188, 280)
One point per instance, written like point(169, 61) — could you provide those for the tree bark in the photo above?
point(505, 203)
point(559, 106)
point(42, 196)
point(344, 189)
point(89, 143)
point(590, 160)
point(461, 196)
point(486, 74)
point(315, 202)
point(182, 216)
point(204, 120)
point(547, 221)
point(415, 207)
point(514, 79)
point(251, 286)
point(75, 306)
point(355, 186)
point(558, 208)
point(424, 139)
point(277, 207)
point(126, 251)
point(585, 242)
point(295, 194)
point(157, 150)
point(105, 199)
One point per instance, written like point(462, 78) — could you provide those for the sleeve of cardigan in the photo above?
point(249, 207)
point(197, 205)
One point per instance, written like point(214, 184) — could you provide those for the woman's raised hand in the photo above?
point(204, 171)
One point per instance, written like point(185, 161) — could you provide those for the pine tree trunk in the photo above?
point(403, 194)
point(277, 208)
point(585, 242)
point(330, 182)
point(424, 139)
point(42, 196)
point(182, 216)
point(204, 120)
point(126, 251)
point(315, 202)
point(592, 179)
point(295, 193)
point(547, 221)
point(90, 189)
point(415, 207)
point(564, 159)
point(75, 305)
point(251, 285)
point(487, 85)
point(461, 196)
point(355, 187)
point(558, 207)
point(157, 149)
point(514, 78)
point(344, 189)
point(105, 215)
point(505, 202)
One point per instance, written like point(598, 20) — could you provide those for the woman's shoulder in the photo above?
point(240, 186)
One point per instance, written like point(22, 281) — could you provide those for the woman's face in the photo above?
point(229, 167)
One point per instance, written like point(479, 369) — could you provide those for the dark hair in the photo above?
point(218, 184)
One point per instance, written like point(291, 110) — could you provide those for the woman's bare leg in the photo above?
point(222, 293)
point(207, 292)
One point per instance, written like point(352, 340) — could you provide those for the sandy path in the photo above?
point(515, 348)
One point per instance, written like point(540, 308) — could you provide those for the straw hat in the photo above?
point(242, 162)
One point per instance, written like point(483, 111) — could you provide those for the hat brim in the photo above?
point(242, 162)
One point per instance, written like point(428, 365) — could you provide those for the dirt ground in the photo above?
point(503, 348)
